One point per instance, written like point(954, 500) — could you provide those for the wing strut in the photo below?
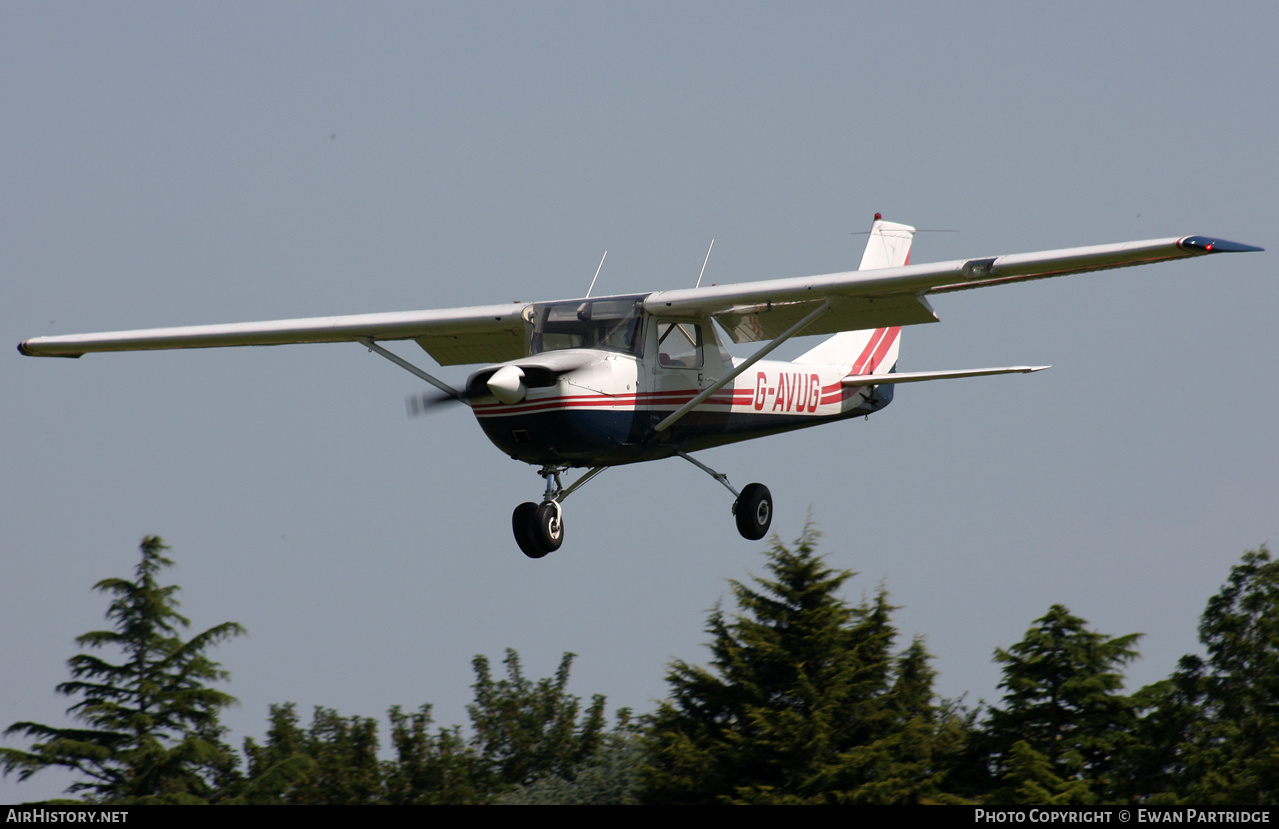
point(675, 416)
point(409, 367)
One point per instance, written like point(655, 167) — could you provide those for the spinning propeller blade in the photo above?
point(421, 403)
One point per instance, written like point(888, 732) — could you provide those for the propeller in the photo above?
point(421, 403)
point(506, 384)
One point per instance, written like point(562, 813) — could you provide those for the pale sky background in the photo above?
point(174, 164)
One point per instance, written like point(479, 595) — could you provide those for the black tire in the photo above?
point(548, 527)
point(754, 511)
point(523, 522)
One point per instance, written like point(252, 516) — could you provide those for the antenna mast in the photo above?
point(704, 261)
point(597, 276)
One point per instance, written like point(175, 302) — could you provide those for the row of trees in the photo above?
point(804, 700)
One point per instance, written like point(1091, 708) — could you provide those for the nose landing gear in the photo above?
point(539, 528)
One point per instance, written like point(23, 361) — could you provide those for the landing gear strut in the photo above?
point(539, 528)
point(753, 507)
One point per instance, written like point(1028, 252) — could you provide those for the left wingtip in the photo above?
point(1209, 244)
point(24, 349)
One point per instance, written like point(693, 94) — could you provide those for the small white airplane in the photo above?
point(599, 382)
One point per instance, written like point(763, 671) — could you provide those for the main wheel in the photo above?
point(523, 522)
point(548, 527)
point(754, 511)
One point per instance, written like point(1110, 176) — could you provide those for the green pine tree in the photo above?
point(526, 733)
point(1213, 733)
point(431, 769)
point(150, 722)
point(1063, 701)
point(524, 730)
point(804, 701)
point(608, 777)
point(281, 767)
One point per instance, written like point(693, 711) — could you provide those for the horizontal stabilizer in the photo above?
point(920, 376)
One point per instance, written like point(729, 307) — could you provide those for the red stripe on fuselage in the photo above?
point(673, 397)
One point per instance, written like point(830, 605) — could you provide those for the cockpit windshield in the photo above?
point(611, 323)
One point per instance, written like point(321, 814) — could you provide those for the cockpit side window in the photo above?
point(612, 324)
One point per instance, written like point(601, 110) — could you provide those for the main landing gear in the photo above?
point(754, 511)
point(539, 528)
point(753, 507)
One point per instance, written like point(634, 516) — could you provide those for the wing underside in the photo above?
point(458, 336)
point(856, 300)
point(891, 296)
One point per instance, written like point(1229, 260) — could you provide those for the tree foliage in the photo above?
point(525, 729)
point(1063, 720)
point(608, 777)
point(525, 732)
point(1213, 731)
point(804, 701)
point(431, 769)
point(151, 732)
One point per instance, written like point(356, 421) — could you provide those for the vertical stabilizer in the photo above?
point(888, 246)
point(873, 350)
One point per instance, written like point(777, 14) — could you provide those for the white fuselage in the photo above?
point(590, 406)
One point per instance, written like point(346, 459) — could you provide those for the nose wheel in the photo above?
point(539, 528)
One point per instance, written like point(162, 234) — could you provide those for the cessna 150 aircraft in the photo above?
point(598, 382)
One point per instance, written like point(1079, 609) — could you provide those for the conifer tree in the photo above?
point(524, 732)
point(278, 769)
point(803, 702)
point(150, 723)
point(431, 769)
point(525, 729)
point(609, 777)
point(1215, 730)
point(335, 762)
point(1063, 705)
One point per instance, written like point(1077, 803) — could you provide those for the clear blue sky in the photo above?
point(171, 164)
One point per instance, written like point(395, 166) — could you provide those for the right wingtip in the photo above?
point(1209, 244)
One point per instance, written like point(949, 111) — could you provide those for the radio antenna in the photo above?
point(704, 261)
point(597, 276)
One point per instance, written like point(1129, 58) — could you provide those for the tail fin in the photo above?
point(888, 246)
point(872, 351)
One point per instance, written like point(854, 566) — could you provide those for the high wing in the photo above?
point(752, 311)
point(889, 296)
point(458, 336)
